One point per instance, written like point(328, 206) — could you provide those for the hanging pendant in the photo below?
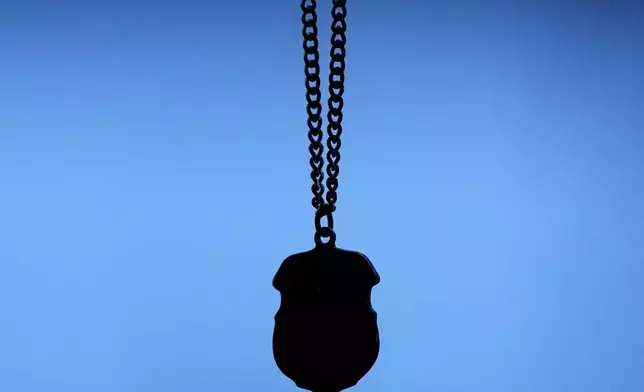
point(326, 335)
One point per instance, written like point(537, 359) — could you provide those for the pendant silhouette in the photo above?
point(326, 335)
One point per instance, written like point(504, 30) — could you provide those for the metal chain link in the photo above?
point(335, 101)
point(313, 96)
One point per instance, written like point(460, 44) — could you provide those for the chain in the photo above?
point(335, 101)
point(314, 111)
point(313, 95)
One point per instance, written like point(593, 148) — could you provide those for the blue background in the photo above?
point(154, 174)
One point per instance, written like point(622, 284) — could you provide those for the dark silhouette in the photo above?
point(326, 336)
point(326, 333)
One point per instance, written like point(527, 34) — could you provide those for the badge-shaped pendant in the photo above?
point(326, 334)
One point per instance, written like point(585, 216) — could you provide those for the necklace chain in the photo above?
point(335, 101)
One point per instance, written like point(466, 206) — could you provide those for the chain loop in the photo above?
point(325, 210)
point(334, 116)
point(313, 97)
point(335, 103)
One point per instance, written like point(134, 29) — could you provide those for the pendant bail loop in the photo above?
point(325, 210)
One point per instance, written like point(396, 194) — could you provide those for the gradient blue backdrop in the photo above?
point(154, 174)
